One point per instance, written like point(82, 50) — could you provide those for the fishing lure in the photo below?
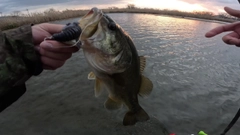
point(70, 34)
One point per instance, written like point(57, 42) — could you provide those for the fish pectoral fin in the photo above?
point(131, 118)
point(112, 104)
point(91, 76)
point(99, 86)
point(146, 87)
point(142, 63)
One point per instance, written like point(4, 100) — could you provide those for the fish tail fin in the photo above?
point(131, 118)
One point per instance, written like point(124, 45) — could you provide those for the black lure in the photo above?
point(70, 32)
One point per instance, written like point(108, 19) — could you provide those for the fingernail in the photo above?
point(47, 45)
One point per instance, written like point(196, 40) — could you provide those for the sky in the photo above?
point(215, 6)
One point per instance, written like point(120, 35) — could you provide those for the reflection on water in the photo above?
point(196, 80)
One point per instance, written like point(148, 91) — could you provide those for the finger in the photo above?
point(54, 55)
point(41, 31)
point(220, 29)
point(232, 39)
point(232, 12)
point(58, 47)
point(51, 63)
point(51, 28)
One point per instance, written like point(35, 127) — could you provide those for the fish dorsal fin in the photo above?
point(142, 63)
point(99, 87)
point(146, 87)
point(91, 76)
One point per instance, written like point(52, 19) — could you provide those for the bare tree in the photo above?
point(204, 14)
point(49, 11)
point(131, 6)
point(28, 12)
point(113, 7)
point(1, 14)
point(16, 13)
point(226, 16)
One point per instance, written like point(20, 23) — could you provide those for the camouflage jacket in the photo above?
point(18, 62)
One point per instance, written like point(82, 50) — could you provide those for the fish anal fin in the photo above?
point(111, 104)
point(146, 87)
point(131, 118)
point(99, 87)
point(91, 76)
point(142, 63)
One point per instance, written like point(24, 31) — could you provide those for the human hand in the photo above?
point(53, 53)
point(233, 38)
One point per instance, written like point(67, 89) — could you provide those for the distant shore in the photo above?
point(9, 22)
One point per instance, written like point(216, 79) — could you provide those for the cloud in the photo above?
point(35, 3)
point(215, 5)
point(8, 6)
point(47, 2)
point(221, 3)
point(211, 1)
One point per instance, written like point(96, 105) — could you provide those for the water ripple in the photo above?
point(197, 75)
point(196, 80)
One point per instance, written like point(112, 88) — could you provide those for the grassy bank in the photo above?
point(9, 22)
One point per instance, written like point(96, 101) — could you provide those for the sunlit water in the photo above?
point(196, 81)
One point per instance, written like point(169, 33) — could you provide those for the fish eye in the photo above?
point(112, 26)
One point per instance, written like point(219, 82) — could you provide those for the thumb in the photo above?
point(52, 28)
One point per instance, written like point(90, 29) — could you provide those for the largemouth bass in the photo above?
point(115, 64)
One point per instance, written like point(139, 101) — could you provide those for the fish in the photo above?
point(115, 65)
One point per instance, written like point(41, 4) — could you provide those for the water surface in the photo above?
point(196, 82)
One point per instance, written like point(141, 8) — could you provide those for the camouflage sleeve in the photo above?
point(18, 62)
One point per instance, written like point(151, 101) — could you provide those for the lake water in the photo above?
point(196, 82)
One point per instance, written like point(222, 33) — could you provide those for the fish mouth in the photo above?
point(89, 23)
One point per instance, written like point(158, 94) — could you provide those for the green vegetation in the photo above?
point(18, 19)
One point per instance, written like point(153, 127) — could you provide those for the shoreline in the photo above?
point(10, 22)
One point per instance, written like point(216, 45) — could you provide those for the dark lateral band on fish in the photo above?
point(115, 64)
point(114, 60)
